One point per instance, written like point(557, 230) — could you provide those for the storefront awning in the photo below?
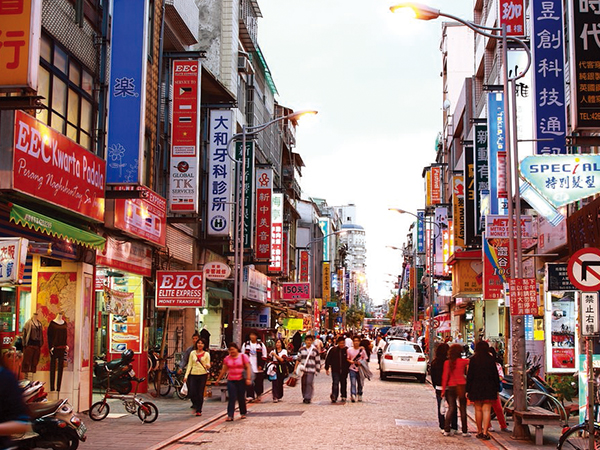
point(465, 254)
point(52, 227)
point(221, 293)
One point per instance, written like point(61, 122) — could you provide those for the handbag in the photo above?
point(291, 381)
point(184, 389)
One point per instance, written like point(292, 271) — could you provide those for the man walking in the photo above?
point(355, 355)
point(337, 360)
point(310, 361)
point(186, 354)
point(256, 352)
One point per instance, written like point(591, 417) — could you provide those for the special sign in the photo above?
point(182, 289)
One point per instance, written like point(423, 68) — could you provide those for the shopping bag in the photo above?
point(184, 389)
point(291, 381)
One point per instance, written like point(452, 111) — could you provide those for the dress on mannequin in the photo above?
point(33, 338)
point(57, 343)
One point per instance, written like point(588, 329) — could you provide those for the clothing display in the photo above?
point(57, 343)
point(33, 338)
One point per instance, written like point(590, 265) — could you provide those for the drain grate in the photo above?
point(276, 413)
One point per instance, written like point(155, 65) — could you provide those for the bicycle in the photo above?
point(577, 437)
point(146, 411)
point(168, 379)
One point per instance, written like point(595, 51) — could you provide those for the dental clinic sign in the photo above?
point(563, 179)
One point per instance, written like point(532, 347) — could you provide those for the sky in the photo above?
point(375, 79)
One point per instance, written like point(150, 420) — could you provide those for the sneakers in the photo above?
point(490, 429)
point(446, 433)
point(352, 398)
point(360, 398)
point(343, 399)
point(466, 434)
point(198, 414)
point(275, 400)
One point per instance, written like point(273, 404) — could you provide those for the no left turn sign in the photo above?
point(584, 269)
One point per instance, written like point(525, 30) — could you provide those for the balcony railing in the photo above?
point(249, 14)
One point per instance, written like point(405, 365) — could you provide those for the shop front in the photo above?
point(254, 311)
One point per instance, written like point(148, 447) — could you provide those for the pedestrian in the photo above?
point(437, 370)
point(367, 345)
point(379, 346)
point(348, 340)
point(279, 358)
point(196, 375)
point(355, 355)
point(235, 365)
point(14, 419)
point(497, 405)
point(454, 383)
point(186, 354)
point(309, 362)
point(483, 383)
point(256, 352)
point(337, 361)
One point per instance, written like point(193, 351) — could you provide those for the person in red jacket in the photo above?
point(454, 382)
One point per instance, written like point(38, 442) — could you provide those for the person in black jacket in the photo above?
point(483, 383)
point(337, 360)
point(437, 369)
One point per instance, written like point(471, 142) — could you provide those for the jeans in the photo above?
point(454, 393)
point(236, 390)
point(354, 381)
point(307, 382)
point(196, 386)
point(339, 381)
point(257, 387)
point(278, 386)
point(442, 417)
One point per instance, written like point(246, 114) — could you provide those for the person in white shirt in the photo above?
point(379, 346)
point(348, 341)
point(257, 354)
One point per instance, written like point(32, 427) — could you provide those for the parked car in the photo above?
point(403, 358)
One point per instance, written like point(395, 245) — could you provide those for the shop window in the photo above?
point(8, 316)
point(67, 91)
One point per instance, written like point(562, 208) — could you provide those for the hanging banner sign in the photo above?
point(512, 14)
point(264, 198)
point(436, 185)
point(589, 313)
point(181, 289)
point(458, 211)
point(13, 254)
point(126, 255)
point(127, 95)
point(326, 282)
point(420, 231)
point(219, 173)
point(470, 194)
point(324, 223)
point(255, 286)
point(248, 190)
point(304, 265)
point(144, 217)
point(496, 268)
point(185, 137)
point(549, 76)
point(523, 296)
point(295, 291)
point(481, 173)
point(276, 264)
point(496, 149)
point(498, 227)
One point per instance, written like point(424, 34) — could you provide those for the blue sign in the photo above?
point(420, 231)
point(563, 179)
point(528, 327)
point(324, 224)
point(127, 92)
point(496, 145)
point(549, 76)
point(347, 287)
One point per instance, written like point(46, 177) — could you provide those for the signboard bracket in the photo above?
point(22, 102)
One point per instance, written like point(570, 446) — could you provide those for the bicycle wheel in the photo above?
point(577, 438)
point(147, 412)
point(99, 411)
point(165, 384)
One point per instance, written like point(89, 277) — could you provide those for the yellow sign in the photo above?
point(428, 188)
point(326, 282)
point(466, 277)
point(20, 31)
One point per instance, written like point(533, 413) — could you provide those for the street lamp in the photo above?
point(238, 241)
point(514, 217)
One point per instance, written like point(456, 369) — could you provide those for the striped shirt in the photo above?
point(314, 360)
point(235, 366)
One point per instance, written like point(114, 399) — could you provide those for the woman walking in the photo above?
point(235, 364)
point(356, 354)
point(197, 373)
point(454, 388)
point(437, 370)
point(279, 356)
point(483, 383)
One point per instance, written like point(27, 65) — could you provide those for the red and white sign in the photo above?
point(216, 271)
point(523, 296)
point(286, 252)
point(436, 185)
point(512, 14)
point(497, 227)
point(264, 193)
point(185, 132)
point(49, 166)
point(145, 217)
point(181, 289)
point(304, 264)
point(584, 269)
point(276, 264)
point(13, 253)
point(502, 177)
point(126, 255)
point(295, 291)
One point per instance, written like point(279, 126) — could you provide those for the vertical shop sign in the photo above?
point(324, 224)
point(446, 252)
point(523, 297)
point(185, 138)
point(264, 193)
point(436, 185)
point(512, 14)
point(286, 253)
point(517, 60)
point(549, 76)
point(13, 253)
point(347, 287)
point(585, 65)
point(20, 30)
point(127, 103)
point(441, 219)
point(420, 231)
point(496, 149)
point(304, 263)
point(248, 190)
point(428, 187)
point(496, 269)
point(470, 194)
point(481, 173)
point(458, 211)
point(326, 282)
point(276, 264)
point(589, 313)
point(219, 173)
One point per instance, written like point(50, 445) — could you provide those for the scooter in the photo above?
point(33, 391)
point(534, 381)
point(54, 426)
point(118, 370)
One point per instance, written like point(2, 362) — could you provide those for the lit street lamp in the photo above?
point(238, 241)
point(423, 12)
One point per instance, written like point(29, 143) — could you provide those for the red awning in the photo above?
point(464, 254)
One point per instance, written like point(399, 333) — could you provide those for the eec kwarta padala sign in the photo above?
point(563, 179)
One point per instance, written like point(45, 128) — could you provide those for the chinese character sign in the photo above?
point(276, 264)
point(512, 14)
point(523, 296)
point(481, 172)
point(458, 211)
point(20, 30)
point(470, 194)
point(295, 291)
point(585, 64)
point(13, 253)
point(248, 189)
point(304, 265)
point(127, 103)
point(324, 224)
point(219, 173)
point(549, 76)
point(496, 269)
point(561, 323)
point(264, 198)
point(436, 185)
point(589, 313)
point(420, 231)
point(496, 150)
point(326, 281)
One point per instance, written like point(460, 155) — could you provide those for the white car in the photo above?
point(403, 358)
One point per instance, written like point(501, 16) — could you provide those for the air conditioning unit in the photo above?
point(215, 302)
point(244, 65)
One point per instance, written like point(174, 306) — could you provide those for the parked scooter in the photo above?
point(33, 391)
point(534, 381)
point(118, 370)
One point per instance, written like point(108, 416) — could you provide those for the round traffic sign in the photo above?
point(436, 323)
point(584, 269)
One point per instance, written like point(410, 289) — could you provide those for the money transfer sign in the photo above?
point(182, 289)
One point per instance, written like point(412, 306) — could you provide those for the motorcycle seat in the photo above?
point(112, 365)
point(38, 410)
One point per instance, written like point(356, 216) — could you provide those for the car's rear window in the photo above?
point(396, 346)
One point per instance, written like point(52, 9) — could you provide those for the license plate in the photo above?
point(81, 429)
point(405, 358)
point(132, 373)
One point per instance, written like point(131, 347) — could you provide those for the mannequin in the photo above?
point(57, 343)
point(33, 338)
